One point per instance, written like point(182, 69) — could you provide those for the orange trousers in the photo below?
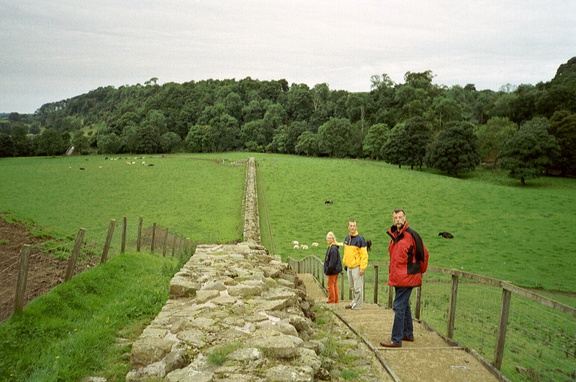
point(333, 297)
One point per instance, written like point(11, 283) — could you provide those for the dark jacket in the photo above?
point(405, 269)
point(332, 263)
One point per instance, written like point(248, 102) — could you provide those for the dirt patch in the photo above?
point(44, 271)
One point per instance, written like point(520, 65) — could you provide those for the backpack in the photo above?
point(415, 267)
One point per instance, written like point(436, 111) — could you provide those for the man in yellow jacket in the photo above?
point(356, 260)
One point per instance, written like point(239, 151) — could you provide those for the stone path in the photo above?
point(428, 358)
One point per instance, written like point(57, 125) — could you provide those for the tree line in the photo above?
point(528, 129)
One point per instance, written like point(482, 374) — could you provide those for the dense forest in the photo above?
point(526, 129)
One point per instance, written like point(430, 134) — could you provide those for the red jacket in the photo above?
point(402, 250)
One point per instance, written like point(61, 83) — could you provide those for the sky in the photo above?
point(51, 51)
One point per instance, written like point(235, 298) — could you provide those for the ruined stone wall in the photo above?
point(250, 208)
point(234, 297)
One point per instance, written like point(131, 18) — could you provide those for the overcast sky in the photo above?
point(55, 50)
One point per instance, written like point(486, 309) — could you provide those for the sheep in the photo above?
point(446, 235)
point(315, 244)
point(304, 246)
point(296, 246)
point(328, 202)
point(295, 242)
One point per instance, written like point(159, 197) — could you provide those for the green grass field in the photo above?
point(197, 197)
point(520, 234)
point(502, 230)
point(524, 235)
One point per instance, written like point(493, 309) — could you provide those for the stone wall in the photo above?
point(232, 303)
point(250, 208)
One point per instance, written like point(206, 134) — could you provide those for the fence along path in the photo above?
point(428, 358)
point(540, 344)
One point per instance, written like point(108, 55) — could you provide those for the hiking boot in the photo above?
point(390, 344)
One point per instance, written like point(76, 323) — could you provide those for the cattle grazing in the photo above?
point(446, 235)
point(328, 202)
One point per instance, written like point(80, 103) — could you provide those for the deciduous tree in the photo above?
point(530, 151)
point(455, 149)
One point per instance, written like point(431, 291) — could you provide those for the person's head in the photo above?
point(398, 218)
point(352, 226)
point(330, 238)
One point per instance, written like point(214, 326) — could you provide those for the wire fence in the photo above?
point(53, 261)
point(533, 339)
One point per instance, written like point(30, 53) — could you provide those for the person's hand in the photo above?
point(361, 273)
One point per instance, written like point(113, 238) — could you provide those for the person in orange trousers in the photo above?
point(332, 267)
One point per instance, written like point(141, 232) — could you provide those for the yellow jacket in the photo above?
point(355, 252)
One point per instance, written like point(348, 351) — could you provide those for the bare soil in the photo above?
point(44, 270)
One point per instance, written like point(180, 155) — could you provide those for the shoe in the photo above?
point(390, 344)
point(411, 339)
point(348, 307)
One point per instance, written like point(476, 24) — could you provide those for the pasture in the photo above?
point(524, 235)
point(199, 197)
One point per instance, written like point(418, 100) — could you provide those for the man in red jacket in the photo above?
point(408, 261)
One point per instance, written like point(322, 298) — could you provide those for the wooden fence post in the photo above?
point(452, 307)
point(165, 243)
point(501, 337)
point(418, 302)
point(139, 241)
point(108, 241)
point(153, 237)
point(74, 256)
point(174, 244)
point(123, 245)
point(376, 284)
point(22, 278)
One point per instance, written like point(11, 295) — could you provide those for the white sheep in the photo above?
point(296, 246)
point(304, 246)
point(295, 242)
point(314, 244)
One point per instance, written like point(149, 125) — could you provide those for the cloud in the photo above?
point(56, 50)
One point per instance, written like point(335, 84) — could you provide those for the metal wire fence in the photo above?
point(54, 260)
point(527, 337)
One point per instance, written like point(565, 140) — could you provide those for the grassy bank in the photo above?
point(73, 331)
